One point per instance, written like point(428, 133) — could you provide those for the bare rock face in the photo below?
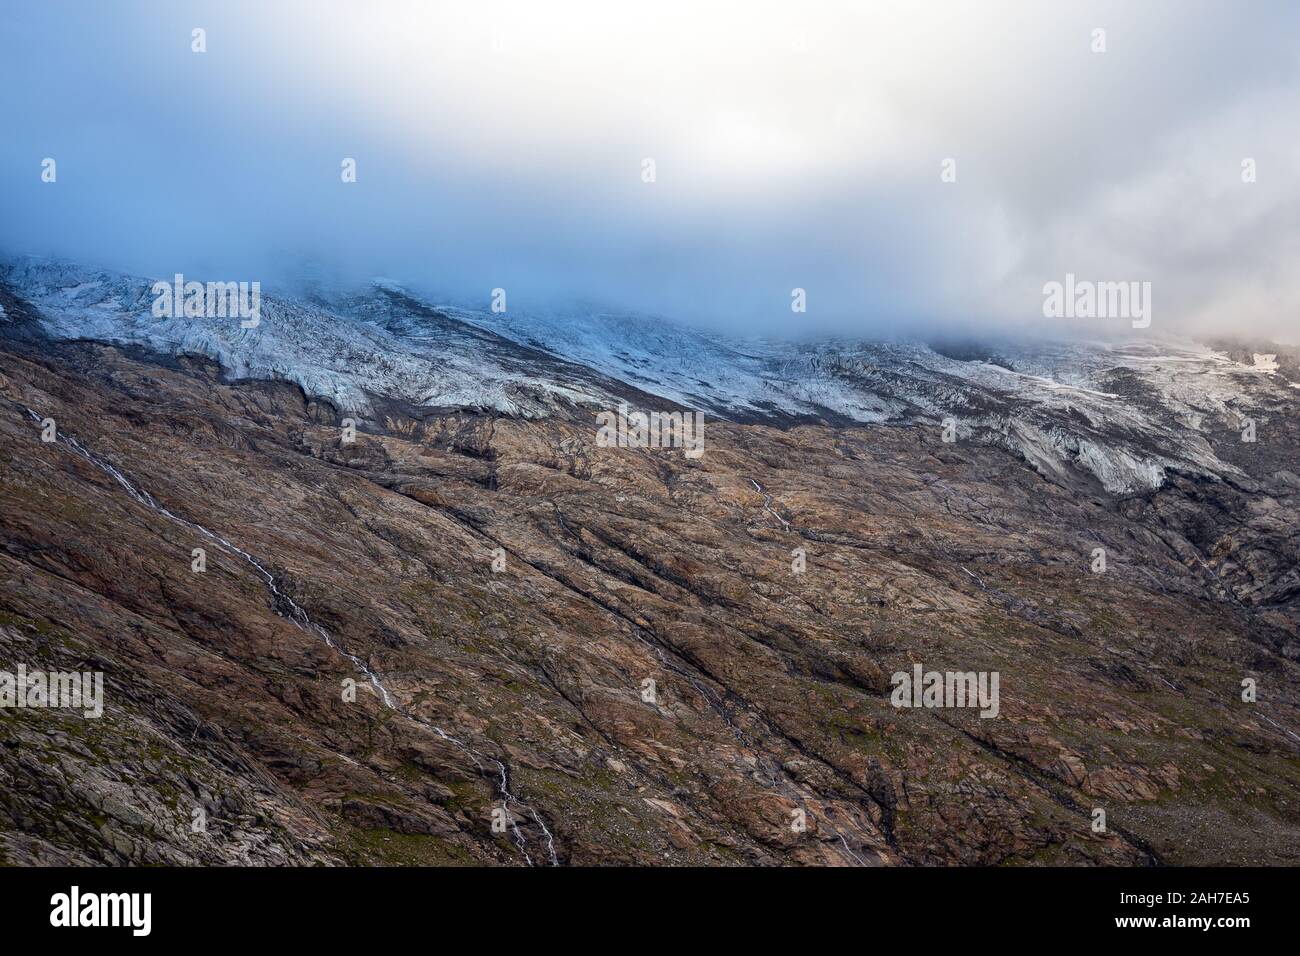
point(474, 638)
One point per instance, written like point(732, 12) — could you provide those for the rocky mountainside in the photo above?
point(1117, 415)
point(473, 635)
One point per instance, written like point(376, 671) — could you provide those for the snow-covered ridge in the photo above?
point(1123, 414)
point(327, 352)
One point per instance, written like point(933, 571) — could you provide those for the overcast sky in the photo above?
point(794, 145)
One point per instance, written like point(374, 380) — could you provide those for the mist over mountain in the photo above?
point(503, 145)
point(692, 434)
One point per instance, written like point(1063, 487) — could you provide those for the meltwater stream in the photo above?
point(299, 616)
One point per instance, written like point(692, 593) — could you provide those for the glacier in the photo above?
point(1122, 415)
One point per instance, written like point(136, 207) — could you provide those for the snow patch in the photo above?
point(1059, 407)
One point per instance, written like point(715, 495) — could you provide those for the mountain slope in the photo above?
point(1119, 416)
point(521, 695)
point(1120, 690)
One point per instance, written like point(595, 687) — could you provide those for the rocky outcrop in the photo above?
point(644, 677)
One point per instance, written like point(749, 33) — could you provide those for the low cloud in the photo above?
point(503, 145)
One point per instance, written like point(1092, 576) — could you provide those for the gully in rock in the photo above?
point(298, 615)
